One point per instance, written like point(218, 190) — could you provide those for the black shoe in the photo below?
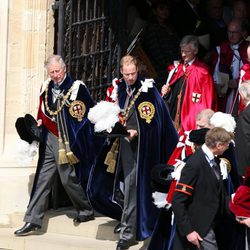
point(125, 244)
point(27, 228)
point(117, 228)
point(83, 218)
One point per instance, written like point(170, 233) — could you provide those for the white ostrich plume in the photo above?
point(25, 152)
point(223, 120)
point(104, 115)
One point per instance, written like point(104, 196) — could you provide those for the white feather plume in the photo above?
point(104, 115)
point(25, 152)
point(223, 120)
point(160, 200)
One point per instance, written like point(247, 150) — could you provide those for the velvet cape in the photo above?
point(156, 142)
point(82, 141)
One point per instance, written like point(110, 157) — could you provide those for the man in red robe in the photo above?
point(189, 87)
point(230, 56)
point(244, 75)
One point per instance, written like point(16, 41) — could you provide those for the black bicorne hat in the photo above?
point(27, 129)
point(197, 136)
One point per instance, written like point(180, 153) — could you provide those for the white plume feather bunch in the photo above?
point(223, 120)
point(104, 115)
point(25, 152)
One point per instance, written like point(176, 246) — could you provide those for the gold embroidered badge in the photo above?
point(196, 97)
point(77, 109)
point(147, 111)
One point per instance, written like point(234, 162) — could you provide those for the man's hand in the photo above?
point(194, 238)
point(132, 134)
point(39, 122)
point(165, 89)
point(245, 221)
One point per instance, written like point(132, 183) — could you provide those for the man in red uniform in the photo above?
point(244, 75)
point(227, 61)
point(189, 87)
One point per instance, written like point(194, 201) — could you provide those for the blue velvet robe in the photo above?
point(82, 141)
point(156, 142)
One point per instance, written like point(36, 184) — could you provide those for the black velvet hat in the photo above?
point(27, 129)
point(161, 177)
point(117, 131)
point(197, 136)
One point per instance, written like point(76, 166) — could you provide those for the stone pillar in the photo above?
point(27, 33)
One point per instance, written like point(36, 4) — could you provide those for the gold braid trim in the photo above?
point(132, 103)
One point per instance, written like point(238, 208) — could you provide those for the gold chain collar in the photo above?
point(65, 98)
point(126, 113)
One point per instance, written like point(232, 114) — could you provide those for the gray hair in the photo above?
point(244, 90)
point(190, 39)
point(54, 58)
point(217, 135)
point(205, 113)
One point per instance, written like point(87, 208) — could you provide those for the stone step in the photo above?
point(59, 232)
point(49, 241)
point(61, 222)
point(53, 241)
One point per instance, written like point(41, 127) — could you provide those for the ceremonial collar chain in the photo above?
point(126, 112)
point(64, 97)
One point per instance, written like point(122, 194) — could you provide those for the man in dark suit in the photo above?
point(199, 194)
point(242, 135)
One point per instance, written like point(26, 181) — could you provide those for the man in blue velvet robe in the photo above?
point(151, 140)
point(68, 145)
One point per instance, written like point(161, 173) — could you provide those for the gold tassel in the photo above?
point(112, 163)
point(70, 155)
point(62, 157)
point(110, 154)
point(110, 159)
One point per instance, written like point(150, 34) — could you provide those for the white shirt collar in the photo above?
point(208, 153)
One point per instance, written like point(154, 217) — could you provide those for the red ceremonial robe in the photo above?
point(244, 76)
point(199, 92)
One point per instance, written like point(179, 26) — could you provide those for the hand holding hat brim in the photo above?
point(117, 131)
point(27, 129)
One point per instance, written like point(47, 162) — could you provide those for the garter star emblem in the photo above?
point(147, 111)
point(77, 109)
point(196, 97)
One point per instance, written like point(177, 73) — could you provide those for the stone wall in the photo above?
point(27, 33)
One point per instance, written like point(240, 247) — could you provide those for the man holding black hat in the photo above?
point(67, 142)
point(150, 141)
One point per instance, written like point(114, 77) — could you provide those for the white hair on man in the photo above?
point(244, 91)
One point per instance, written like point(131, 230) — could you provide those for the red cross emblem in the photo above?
point(77, 110)
point(196, 97)
point(147, 111)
